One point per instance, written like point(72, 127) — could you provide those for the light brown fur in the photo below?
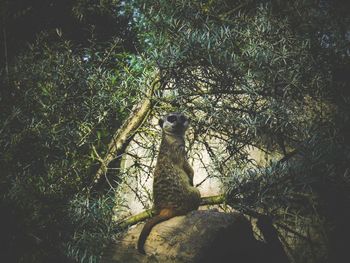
point(173, 190)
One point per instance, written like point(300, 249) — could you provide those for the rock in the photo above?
point(199, 236)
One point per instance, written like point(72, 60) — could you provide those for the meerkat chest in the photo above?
point(170, 176)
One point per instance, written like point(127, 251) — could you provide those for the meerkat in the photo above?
point(173, 190)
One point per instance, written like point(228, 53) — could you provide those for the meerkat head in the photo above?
point(175, 123)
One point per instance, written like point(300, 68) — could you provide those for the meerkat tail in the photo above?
point(164, 214)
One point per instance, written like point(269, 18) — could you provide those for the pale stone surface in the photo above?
point(200, 236)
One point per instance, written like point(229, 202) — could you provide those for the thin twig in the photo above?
point(5, 53)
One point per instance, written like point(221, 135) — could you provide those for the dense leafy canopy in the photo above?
point(266, 75)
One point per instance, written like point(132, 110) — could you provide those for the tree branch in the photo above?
point(208, 200)
point(126, 132)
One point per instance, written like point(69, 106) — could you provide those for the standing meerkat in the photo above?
point(173, 190)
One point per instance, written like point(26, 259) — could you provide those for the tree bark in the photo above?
point(123, 137)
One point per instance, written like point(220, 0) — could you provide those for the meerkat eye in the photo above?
point(171, 118)
point(183, 119)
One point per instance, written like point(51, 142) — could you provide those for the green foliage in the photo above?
point(78, 21)
point(93, 227)
point(65, 104)
point(266, 75)
point(250, 68)
point(60, 104)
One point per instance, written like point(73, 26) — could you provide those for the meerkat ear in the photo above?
point(160, 122)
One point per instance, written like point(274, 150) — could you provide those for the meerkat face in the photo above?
point(174, 123)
